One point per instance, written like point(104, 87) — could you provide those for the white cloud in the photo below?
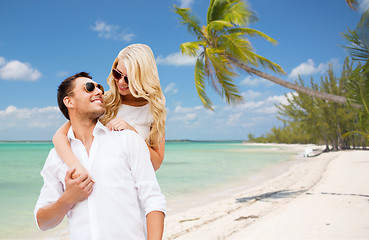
point(364, 5)
point(234, 118)
point(176, 59)
point(186, 3)
point(110, 31)
point(308, 68)
point(2, 61)
point(226, 122)
point(171, 89)
point(29, 123)
point(250, 94)
point(256, 81)
point(18, 71)
point(180, 109)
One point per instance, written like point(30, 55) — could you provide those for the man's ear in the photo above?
point(68, 102)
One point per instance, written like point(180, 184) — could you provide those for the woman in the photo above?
point(135, 101)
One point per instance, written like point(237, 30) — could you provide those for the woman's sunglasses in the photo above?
point(118, 75)
point(90, 87)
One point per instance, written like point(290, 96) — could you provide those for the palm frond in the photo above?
point(219, 61)
point(352, 4)
point(358, 87)
point(359, 39)
point(357, 48)
point(363, 29)
point(216, 10)
point(219, 25)
point(229, 90)
point(237, 46)
point(212, 62)
point(200, 84)
point(355, 133)
point(239, 13)
point(190, 21)
point(254, 33)
point(224, 75)
point(266, 63)
point(233, 11)
point(191, 48)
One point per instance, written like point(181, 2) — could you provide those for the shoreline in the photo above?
point(247, 213)
point(218, 192)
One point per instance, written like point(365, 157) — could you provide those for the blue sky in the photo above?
point(42, 42)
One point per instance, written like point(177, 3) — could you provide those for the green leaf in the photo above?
point(190, 21)
point(191, 48)
point(200, 84)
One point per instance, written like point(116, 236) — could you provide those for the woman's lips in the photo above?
point(123, 88)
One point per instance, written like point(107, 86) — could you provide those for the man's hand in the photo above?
point(77, 189)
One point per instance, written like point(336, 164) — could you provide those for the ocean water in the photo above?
point(188, 167)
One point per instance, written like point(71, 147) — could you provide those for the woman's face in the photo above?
point(122, 86)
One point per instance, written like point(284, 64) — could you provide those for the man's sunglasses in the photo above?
point(118, 75)
point(90, 87)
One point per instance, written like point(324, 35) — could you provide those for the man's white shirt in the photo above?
point(125, 185)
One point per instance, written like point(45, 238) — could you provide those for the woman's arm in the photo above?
point(157, 154)
point(64, 150)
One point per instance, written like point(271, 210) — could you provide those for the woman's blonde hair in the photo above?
point(143, 83)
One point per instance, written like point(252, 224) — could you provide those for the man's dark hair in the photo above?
point(65, 88)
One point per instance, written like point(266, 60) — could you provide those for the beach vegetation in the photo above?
point(223, 46)
point(312, 120)
point(358, 82)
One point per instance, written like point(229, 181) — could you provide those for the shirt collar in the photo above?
point(99, 129)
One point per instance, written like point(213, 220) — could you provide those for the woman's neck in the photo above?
point(133, 101)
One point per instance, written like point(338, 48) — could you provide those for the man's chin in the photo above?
point(96, 114)
point(99, 113)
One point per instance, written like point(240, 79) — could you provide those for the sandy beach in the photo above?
point(324, 197)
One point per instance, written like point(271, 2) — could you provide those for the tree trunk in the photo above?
point(292, 86)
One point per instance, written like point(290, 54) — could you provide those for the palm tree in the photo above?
point(222, 47)
point(358, 84)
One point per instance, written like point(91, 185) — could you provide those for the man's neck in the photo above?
point(83, 129)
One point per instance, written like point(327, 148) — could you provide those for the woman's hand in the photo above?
point(118, 124)
point(80, 170)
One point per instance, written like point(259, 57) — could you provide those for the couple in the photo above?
point(120, 187)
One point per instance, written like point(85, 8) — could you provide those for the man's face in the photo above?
point(86, 104)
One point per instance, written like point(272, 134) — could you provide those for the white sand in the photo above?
point(325, 197)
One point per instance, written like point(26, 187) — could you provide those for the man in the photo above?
point(119, 162)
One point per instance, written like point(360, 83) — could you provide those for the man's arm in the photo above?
point(148, 189)
point(155, 225)
point(77, 190)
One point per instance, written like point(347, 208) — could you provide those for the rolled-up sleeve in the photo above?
point(52, 188)
point(148, 188)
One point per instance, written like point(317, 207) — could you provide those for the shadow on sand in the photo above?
point(271, 195)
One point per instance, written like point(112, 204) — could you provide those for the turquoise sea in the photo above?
point(188, 167)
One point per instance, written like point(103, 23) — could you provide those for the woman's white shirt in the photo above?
point(140, 118)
